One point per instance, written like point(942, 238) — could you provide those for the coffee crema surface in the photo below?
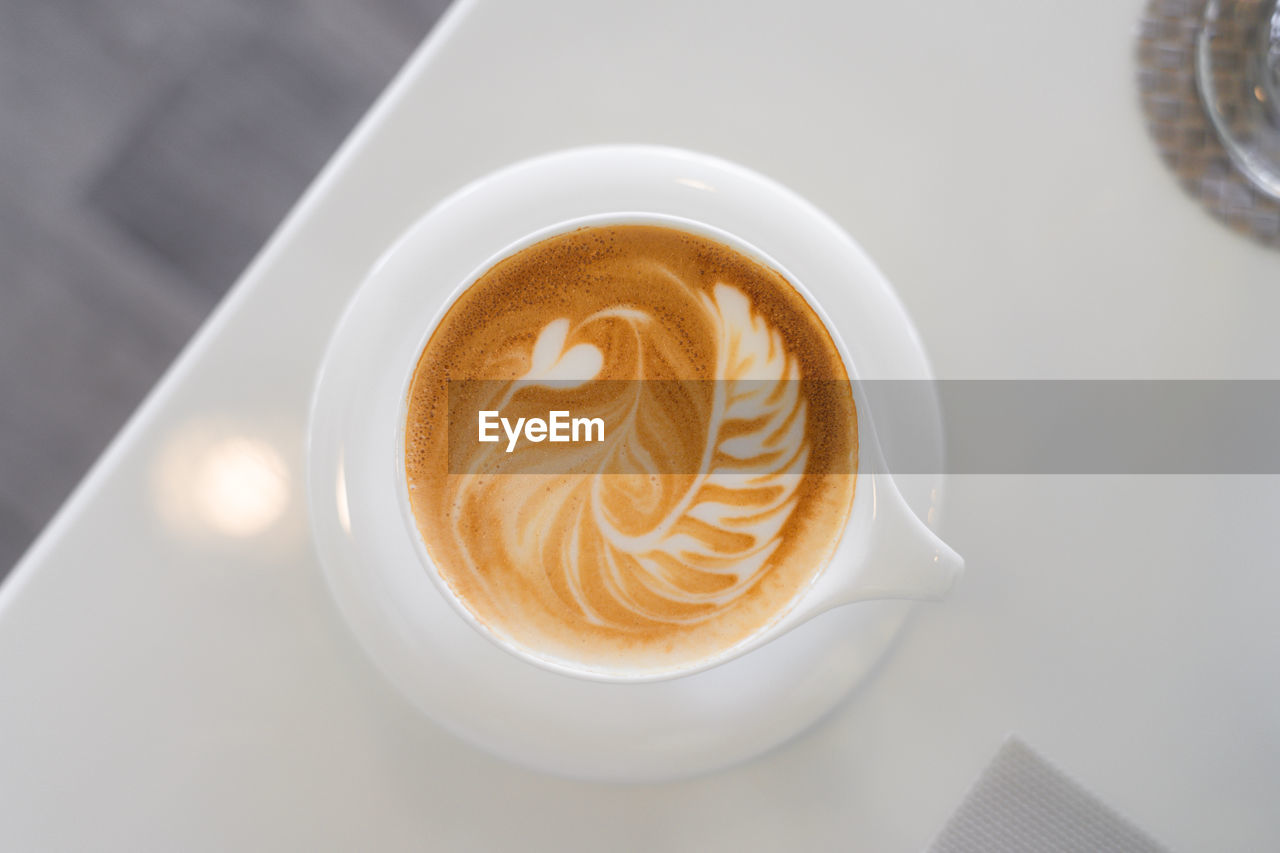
point(724, 477)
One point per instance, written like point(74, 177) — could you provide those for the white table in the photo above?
point(167, 686)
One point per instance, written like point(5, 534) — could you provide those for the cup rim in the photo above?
point(568, 667)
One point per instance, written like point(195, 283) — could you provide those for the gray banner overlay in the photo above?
point(988, 426)
point(1107, 427)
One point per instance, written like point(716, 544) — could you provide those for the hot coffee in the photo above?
point(710, 481)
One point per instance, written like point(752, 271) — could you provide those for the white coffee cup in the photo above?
point(884, 550)
point(523, 710)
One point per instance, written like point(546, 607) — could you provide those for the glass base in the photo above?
point(1238, 75)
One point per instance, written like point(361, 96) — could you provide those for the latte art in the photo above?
point(721, 482)
point(702, 544)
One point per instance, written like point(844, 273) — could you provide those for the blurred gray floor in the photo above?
point(147, 149)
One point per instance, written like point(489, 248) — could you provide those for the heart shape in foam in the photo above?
point(551, 362)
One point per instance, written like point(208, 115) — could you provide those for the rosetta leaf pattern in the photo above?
point(727, 523)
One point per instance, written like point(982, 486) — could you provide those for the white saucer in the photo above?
point(446, 668)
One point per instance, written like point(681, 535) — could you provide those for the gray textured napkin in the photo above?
point(1022, 803)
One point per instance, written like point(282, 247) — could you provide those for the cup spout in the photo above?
point(905, 558)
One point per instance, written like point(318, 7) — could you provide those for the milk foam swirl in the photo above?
point(702, 543)
point(727, 465)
